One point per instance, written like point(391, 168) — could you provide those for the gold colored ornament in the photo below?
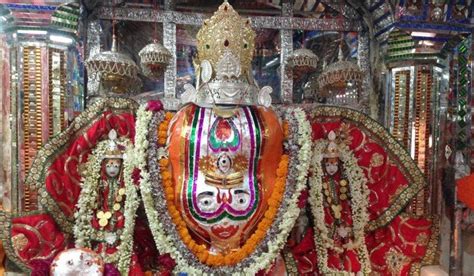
point(103, 222)
point(343, 190)
point(154, 58)
point(343, 197)
point(121, 191)
point(100, 214)
point(224, 32)
point(116, 206)
point(107, 215)
point(213, 176)
point(336, 210)
point(19, 242)
point(343, 182)
point(117, 71)
point(119, 198)
point(303, 61)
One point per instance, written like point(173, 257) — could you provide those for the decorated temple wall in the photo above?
point(5, 129)
point(48, 93)
point(423, 98)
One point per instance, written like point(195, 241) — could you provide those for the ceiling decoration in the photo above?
point(66, 17)
point(48, 15)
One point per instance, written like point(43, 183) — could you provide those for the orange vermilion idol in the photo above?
point(225, 171)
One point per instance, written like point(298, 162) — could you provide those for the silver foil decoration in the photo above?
point(94, 31)
point(364, 65)
point(154, 58)
point(286, 40)
point(346, 10)
point(170, 101)
point(117, 71)
point(197, 19)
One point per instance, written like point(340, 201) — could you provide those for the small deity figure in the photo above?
point(337, 210)
point(336, 193)
point(104, 194)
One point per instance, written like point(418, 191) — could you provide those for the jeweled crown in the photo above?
point(225, 45)
point(332, 150)
point(226, 32)
point(114, 149)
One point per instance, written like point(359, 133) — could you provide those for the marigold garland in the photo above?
point(163, 128)
point(166, 233)
point(236, 256)
point(199, 250)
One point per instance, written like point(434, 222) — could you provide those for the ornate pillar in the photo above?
point(169, 41)
point(38, 107)
point(286, 40)
point(94, 31)
point(364, 64)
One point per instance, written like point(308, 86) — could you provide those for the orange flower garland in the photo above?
point(163, 128)
point(200, 251)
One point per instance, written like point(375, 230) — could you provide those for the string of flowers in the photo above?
point(132, 202)
point(359, 204)
point(87, 202)
point(166, 232)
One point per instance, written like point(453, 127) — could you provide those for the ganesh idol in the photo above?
point(222, 170)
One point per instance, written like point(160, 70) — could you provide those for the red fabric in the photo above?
point(384, 181)
point(145, 249)
point(63, 178)
point(465, 190)
point(154, 105)
point(393, 248)
point(43, 240)
point(406, 237)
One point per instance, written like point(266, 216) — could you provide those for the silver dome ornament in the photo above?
point(303, 61)
point(154, 58)
point(117, 71)
point(336, 77)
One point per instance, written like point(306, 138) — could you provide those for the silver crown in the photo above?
point(225, 85)
point(224, 63)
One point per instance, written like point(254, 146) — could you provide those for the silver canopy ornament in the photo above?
point(303, 61)
point(117, 71)
point(339, 76)
point(154, 58)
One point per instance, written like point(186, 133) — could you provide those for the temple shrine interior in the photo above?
point(236, 137)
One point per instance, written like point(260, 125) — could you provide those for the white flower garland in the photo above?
point(300, 162)
point(289, 217)
point(359, 203)
point(87, 202)
point(132, 202)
